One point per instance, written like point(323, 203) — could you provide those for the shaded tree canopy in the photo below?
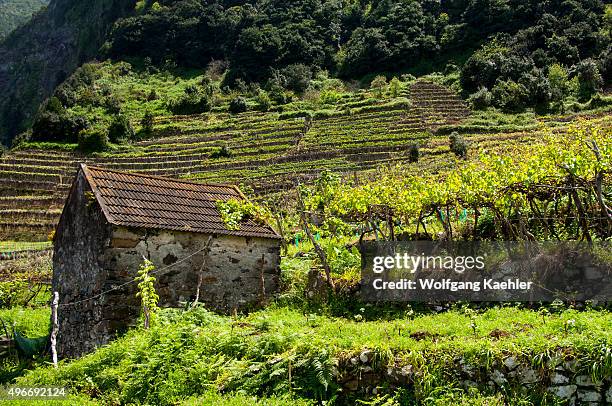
point(353, 38)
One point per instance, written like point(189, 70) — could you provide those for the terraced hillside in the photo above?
point(263, 150)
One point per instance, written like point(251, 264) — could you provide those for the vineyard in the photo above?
point(434, 179)
point(265, 151)
point(271, 152)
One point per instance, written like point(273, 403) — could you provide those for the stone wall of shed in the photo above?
point(231, 278)
point(79, 271)
point(232, 274)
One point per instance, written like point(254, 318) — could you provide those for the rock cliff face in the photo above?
point(37, 57)
point(14, 13)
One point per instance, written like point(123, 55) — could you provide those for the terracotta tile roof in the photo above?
point(135, 200)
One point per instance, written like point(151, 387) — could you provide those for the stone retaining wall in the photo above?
point(565, 379)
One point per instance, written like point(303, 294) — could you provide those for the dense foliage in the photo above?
point(356, 38)
point(281, 351)
point(261, 54)
point(556, 189)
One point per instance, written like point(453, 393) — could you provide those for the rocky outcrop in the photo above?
point(40, 55)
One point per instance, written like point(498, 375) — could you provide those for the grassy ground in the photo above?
point(189, 354)
point(13, 246)
point(29, 322)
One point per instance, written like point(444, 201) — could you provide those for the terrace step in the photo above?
point(24, 167)
point(25, 232)
point(10, 187)
point(33, 202)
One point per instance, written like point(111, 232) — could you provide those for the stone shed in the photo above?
point(113, 220)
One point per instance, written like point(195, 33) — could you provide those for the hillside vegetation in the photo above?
point(268, 148)
point(510, 53)
point(14, 13)
point(309, 358)
point(343, 122)
point(42, 53)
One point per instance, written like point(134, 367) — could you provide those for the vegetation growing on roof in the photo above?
point(235, 211)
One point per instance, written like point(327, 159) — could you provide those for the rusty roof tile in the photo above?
point(135, 200)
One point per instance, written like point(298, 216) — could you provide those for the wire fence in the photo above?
point(158, 271)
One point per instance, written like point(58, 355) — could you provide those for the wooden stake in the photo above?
point(54, 328)
point(202, 268)
point(263, 279)
point(316, 246)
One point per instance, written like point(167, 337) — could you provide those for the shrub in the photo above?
point(329, 96)
point(459, 145)
point(280, 96)
point(195, 100)
point(395, 86)
point(589, 78)
point(66, 94)
point(264, 103)
point(13, 293)
point(414, 153)
point(222, 152)
point(147, 293)
point(297, 77)
point(407, 77)
point(54, 125)
point(152, 95)
point(238, 105)
point(378, 85)
point(93, 141)
point(558, 78)
point(147, 123)
point(113, 105)
point(120, 129)
point(481, 99)
point(537, 87)
point(598, 101)
point(510, 96)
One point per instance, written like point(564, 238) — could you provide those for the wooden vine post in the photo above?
point(54, 328)
point(206, 250)
point(262, 263)
point(316, 245)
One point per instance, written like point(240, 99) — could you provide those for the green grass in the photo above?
point(29, 322)
point(214, 398)
point(12, 246)
point(191, 353)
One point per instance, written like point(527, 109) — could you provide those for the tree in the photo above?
point(238, 105)
point(367, 51)
point(510, 96)
point(297, 77)
point(484, 67)
point(378, 85)
point(459, 145)
point(120, 129)
point(256, 47)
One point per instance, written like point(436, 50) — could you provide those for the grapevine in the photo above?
point(557, 188)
